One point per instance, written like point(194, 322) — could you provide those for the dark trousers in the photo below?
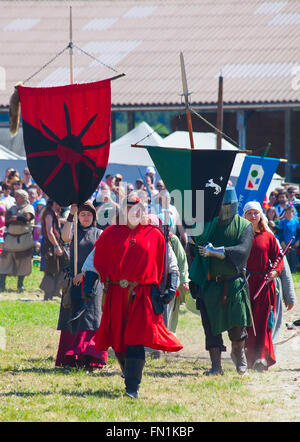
point(237, 333)
point(135, 352)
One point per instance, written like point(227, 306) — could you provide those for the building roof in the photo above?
point(255, 44)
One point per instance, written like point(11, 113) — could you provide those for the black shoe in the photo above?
point(132, 394)
point(2, 283)
point(133, 376)
point(260, 367)
point(214, 372)
point(215, 357)
point(20, 284)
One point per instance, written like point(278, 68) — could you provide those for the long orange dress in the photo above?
point(133, 255)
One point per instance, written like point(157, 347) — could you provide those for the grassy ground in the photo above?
point(173, 388)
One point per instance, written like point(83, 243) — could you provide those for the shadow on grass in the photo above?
point(98, 393)
point(38, 368)
point(281, 370)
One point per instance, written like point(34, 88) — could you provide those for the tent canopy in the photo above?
point(6, 154)
point(128, 160)
point(10, 159)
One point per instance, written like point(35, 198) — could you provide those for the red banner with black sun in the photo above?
point(66, 131)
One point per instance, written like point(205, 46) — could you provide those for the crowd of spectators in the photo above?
point(282, 208)
point(283, 214)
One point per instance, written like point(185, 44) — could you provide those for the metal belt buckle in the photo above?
point(124, 283)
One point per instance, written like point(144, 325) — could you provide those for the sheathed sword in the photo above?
point(248, 303)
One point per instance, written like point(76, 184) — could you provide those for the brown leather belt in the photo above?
point(225, 280)
point(124, 283)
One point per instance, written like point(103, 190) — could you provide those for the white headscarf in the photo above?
point(252, 205)
point(255, 205)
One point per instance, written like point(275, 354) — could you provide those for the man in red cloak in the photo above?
point(129, 259)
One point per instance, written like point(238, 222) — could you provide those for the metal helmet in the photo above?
point(229, 206)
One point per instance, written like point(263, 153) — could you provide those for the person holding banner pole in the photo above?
point(259, 346)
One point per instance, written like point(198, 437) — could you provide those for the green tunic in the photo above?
point(237, 248)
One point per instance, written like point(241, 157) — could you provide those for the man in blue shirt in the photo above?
point(289, 226)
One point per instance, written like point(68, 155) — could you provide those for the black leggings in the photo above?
point(135, 352)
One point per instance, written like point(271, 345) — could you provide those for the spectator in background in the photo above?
point(150, 171)
point(37, 231)
point(292, 192)
point(54, 258)
point(160, 185)
point(281, 204)
point(33, 196)
point(117, 179)
point(106, 206)
point(139, 184)
point(273, 220)
point(16, 185)
point(27, 181)
point(289, 226)
point(13, 177)
point(16, 258)
point(273, 198)
point(149, 185)
point(130, 188)
point(7, 199)
point(110, 181)
point(7, 173)
point(2, 223)
point(164, 204)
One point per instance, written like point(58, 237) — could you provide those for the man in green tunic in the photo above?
point(223, 298)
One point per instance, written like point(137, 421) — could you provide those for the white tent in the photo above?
point(207, 140)
point(127, 160)
point(6, 154)
point(10, 159)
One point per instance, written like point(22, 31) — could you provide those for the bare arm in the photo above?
point(51, 236)
point(67, 233)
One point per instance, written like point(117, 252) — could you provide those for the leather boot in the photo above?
point(20, 284)
point(133, 376)
point(121, 360)
point(215, 357)
point(2, 283)
point(238, 356)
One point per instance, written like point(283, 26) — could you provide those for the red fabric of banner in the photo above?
point(66, 133)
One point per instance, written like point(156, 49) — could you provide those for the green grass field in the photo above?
point(173, 389)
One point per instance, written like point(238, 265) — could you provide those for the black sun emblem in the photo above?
point(70, 150)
